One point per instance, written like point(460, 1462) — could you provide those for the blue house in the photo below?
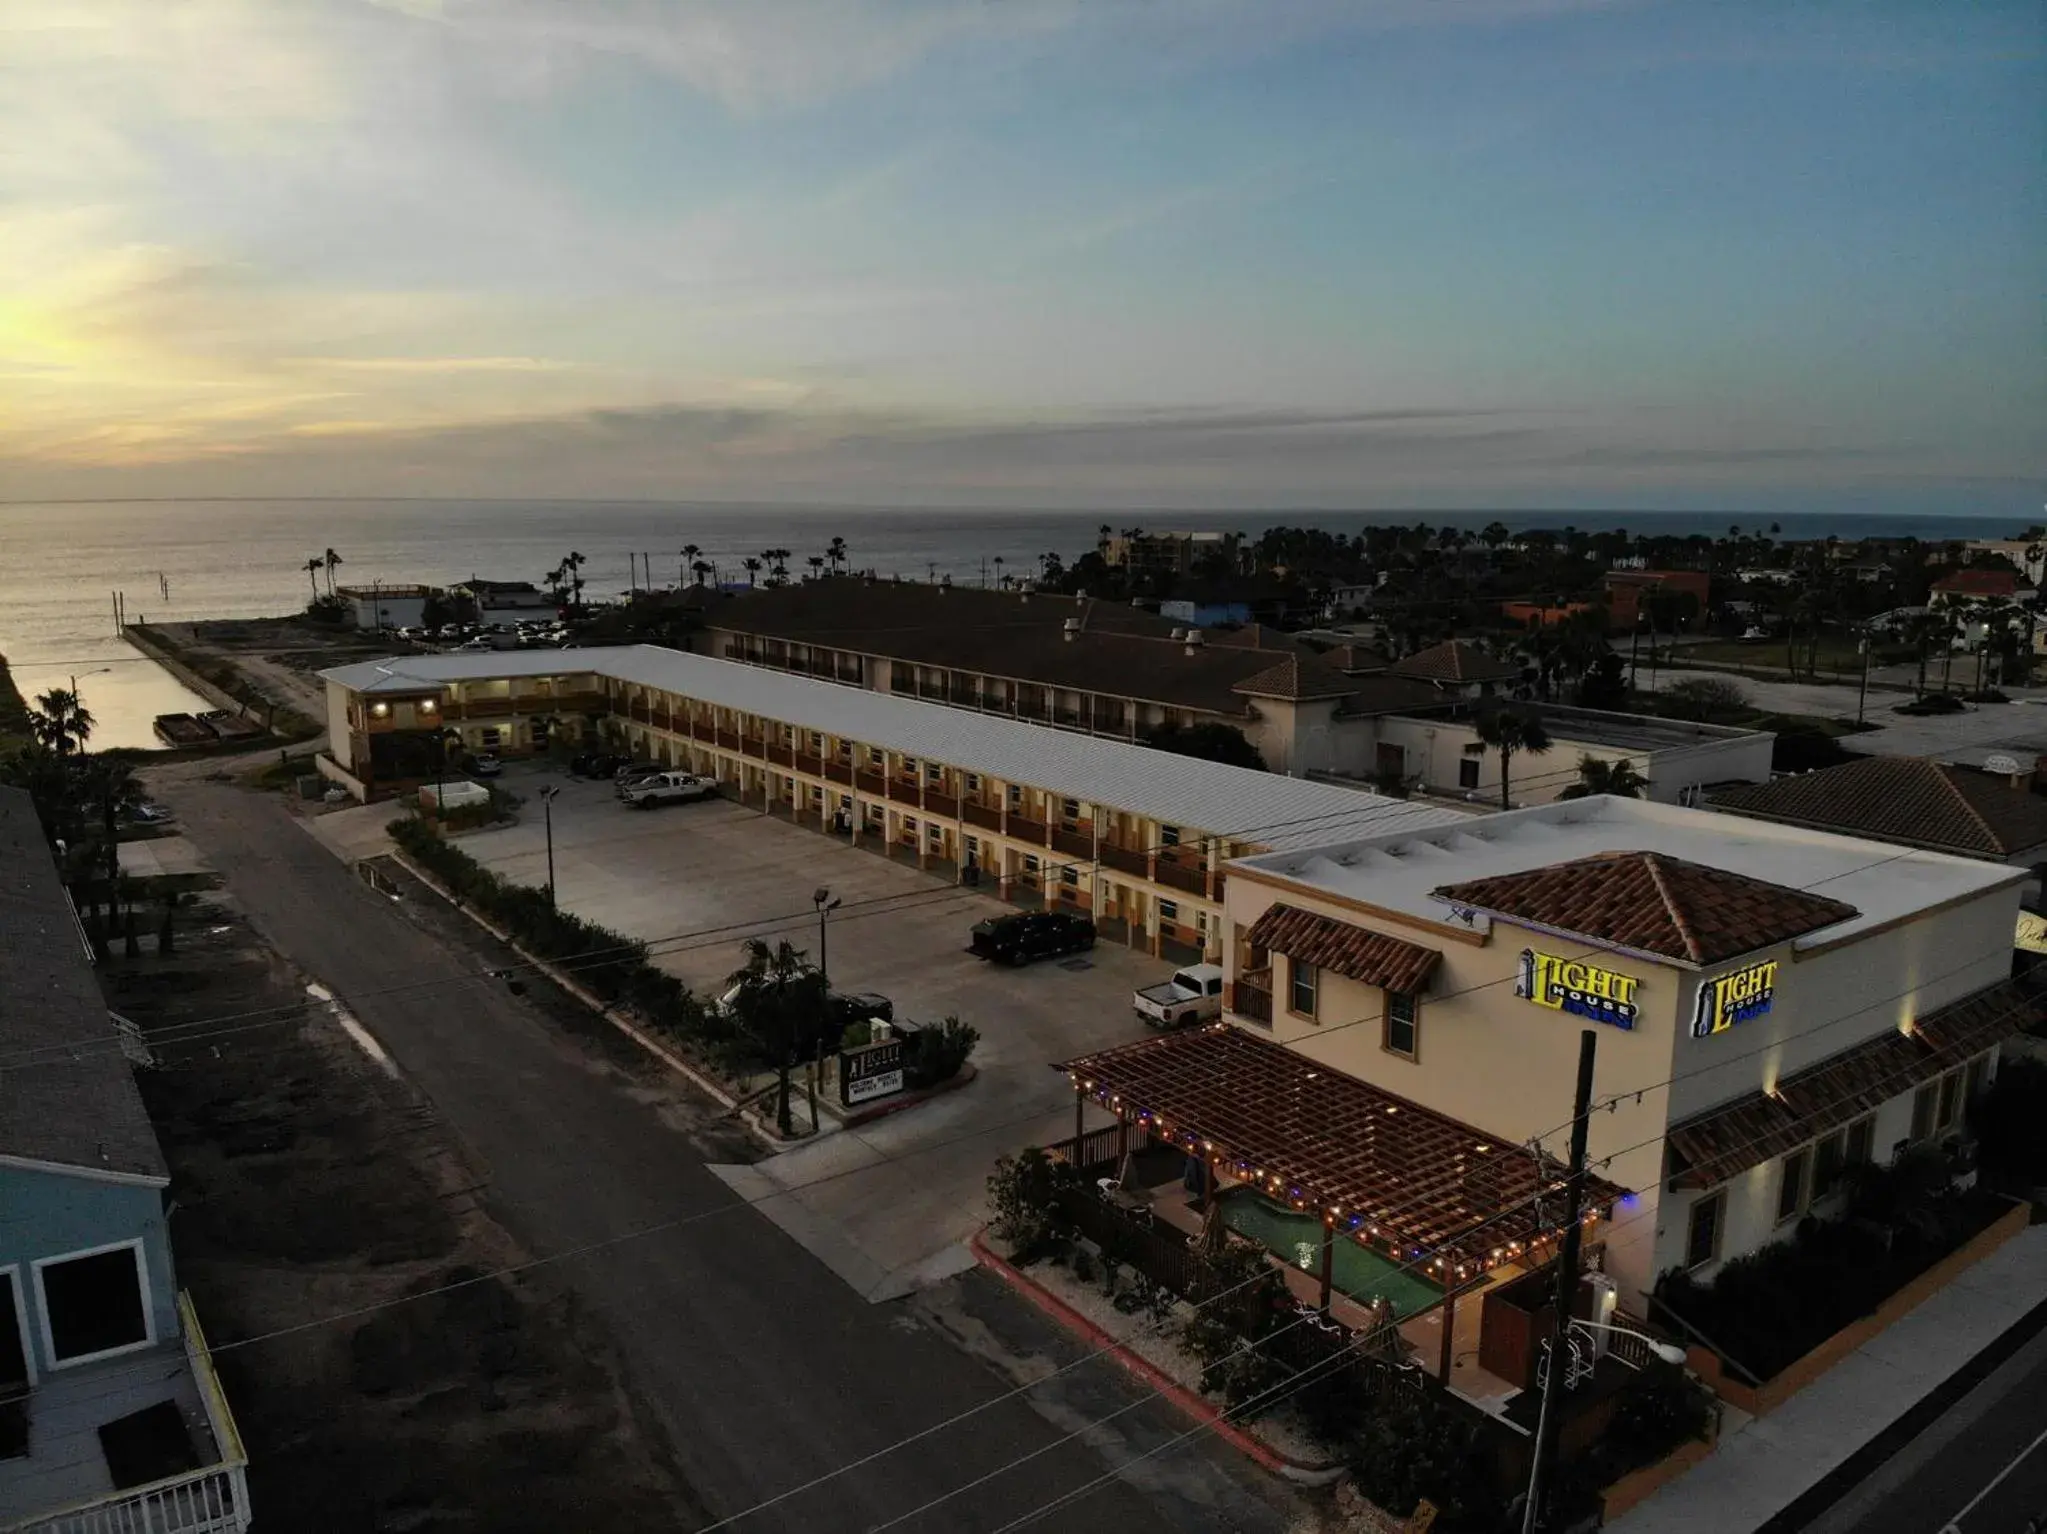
point(110, 1415)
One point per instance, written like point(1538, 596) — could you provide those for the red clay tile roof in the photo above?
point(1313, 1134)
point(1902, 799)
point(1653, 904)
point(1390, 963)
point(1453, 661)
point(1296, 677)
point(1735, 1136)
point(1979, 583)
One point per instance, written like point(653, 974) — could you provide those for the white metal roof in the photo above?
point(1399, 869)
point(1264, 807)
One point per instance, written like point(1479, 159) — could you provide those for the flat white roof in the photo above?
point(1264, 807)
point(1398, 869)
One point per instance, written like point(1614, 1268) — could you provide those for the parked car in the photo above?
point(1031, 935)
point(1193, 995)
point(151, 814)
point(667, 788)
point(484, 764)
point(595, 764)
point(628, 768)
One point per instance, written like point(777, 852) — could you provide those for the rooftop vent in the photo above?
point(1179, 635)
point(1071, 628)
point(1195, 640)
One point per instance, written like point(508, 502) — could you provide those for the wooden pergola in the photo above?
point(1442, 1197)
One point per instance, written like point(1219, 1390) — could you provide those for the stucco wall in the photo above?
point(340, 740)
point(50, 1214)
point(1830, 1001)
point(1500, 1063)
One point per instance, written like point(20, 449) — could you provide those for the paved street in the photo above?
point(1980, 1469)
point(904, 1192)
point(762, 1367)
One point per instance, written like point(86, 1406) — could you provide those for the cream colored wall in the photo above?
point(1502, 1064)
point(1833, 1000)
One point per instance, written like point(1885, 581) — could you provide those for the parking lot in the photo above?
point(699, 879)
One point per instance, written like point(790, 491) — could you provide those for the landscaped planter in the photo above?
point(1759, 1400)
point(1637, 1486)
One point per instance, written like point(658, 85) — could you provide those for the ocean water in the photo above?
point(60, 563)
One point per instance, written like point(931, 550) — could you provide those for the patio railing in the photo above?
point(213, 1500)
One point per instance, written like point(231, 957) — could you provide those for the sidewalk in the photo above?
point(1764, 1464)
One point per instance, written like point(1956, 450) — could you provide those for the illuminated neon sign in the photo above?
point(1585, 990)
point(1734, 998)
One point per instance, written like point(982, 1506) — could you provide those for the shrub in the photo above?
point(1932, 703)
point(1410, 1448)
point(1705, 699)
point(936, 1054)
point(1024, 1192)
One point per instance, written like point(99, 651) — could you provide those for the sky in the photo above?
point(1028, 252)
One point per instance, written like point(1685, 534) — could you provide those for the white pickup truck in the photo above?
point(666, 788)
point(1193, 995)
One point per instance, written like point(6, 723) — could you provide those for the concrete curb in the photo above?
point(895, 1105)
point(666, 1056)
point(1190, 1404)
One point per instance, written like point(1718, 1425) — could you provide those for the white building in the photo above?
point(385, 607)
point(1771, 1003)
point(1133, 836)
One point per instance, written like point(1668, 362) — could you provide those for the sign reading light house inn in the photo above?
point(1734, 998)
point(1585, 990)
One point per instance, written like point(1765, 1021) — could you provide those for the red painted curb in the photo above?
point(1186, 1400)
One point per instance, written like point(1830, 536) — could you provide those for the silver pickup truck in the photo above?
point(1194, 995)
point(666, 788)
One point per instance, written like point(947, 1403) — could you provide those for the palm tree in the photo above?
point(1001, 580)
point(816, 563)
point(781, 1004)
point(1596, 775)
point(107, 778)
point(700, 569)
point(835, 552)
point(313, 567)
point(60, 722)
point(330, 559)
point(572, 567)
point(693, 556)
point(1510, 731)
point(782, 558)
point(752, 566)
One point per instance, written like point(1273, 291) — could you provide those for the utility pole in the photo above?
point(1634, 651)
point(547, 815)
point(1862, 693)
point(1550, 1423)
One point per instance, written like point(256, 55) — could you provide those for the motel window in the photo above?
point(1702, 1233)
point(933, 772)
point(1402, 1027)
point(1070, 875)
point(1069, 810)
point(1015, 797)
point(1169, 836)
point(936, 835)
point(1302, 980)
point(874, 757)
point(1795, 1173)
point(1467, 772)
point(973, 782)
point(1169, 911)
point(1030, 864)
point(910, 765)
point(846, 752)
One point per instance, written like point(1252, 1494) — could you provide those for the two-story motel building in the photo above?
point(1772, 1004)
point(1136, 837)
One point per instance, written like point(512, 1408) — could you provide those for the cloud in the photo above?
point(432, 364)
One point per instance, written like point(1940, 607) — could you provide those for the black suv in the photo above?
point(1031, 935)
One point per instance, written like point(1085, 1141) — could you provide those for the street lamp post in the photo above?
point(547, 818)
point(826, 903)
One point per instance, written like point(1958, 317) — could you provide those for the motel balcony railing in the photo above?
point(1181, 877)
point(869, 783)
point(1126, 860)
point(1076, 842)
point(1024, 829)
point(987, 818)
point(937, 802)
